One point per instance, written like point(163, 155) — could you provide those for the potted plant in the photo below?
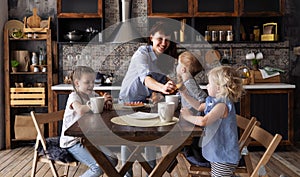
point(255, 64)
point(14, 65)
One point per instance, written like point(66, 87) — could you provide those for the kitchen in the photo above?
point(114, 59)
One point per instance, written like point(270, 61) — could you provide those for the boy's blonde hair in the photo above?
point(191, 62)
point(78, 72)
point(227, 79)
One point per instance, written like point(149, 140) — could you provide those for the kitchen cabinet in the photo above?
point(262, 7)
point(238, 16)
point(215, 8)
point(27, 89)
point(273, 108)
point(170, 8)
point(79, 15)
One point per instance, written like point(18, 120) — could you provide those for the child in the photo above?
point(220, 142)
point(83, 82)
point(188, 67)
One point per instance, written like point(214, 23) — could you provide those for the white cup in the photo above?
point(172, 98)
point(96, 104)
point(166, 111)
point(259, 56)
point(250, 55)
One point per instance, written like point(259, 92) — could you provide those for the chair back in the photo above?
point(42, 119)
point(246, 125)
point(38, 120)
point(270, 143)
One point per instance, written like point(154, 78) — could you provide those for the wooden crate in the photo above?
point(27, 96)
point(258, 78)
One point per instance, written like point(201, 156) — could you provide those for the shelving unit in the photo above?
point(79, 15)
point(36, 91)
point(241, 15)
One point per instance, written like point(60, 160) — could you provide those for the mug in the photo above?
point(259, 56)
point(172, 98)
point(96, 104)
point(250, 55)
point(166, 111)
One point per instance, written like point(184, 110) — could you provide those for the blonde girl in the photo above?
point(220, 142)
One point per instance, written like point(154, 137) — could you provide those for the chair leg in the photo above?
point(66, 171)
point(34, 163)
point(53, 169)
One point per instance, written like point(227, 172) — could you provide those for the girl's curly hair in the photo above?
point(229, 82)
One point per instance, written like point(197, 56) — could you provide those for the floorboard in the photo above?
point(17, 163)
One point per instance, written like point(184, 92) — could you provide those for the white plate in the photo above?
point(143, 115)
point(129, 107)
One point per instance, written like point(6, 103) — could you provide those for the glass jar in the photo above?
point(207, 36)
point(214, 36)
point(229, 36)
point(222, 36)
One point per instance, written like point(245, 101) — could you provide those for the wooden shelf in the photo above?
point(17, 102)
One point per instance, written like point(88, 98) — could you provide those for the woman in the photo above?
point(149, 66)
point(147, 74)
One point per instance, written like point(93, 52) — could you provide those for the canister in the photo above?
point(222, 36)
point(229, 36)
point(214, 36)
point(207, 36)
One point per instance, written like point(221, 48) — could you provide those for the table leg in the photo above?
point(165, 162)
point(101, 159)
point(136, 155)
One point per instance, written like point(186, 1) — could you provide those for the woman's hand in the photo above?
point(169, 87)
point(108, 101)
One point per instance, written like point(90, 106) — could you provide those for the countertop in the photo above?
point(68, 87)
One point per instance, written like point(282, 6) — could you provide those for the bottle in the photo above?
point(256, 33)
point(34, 59)
point(42, 59)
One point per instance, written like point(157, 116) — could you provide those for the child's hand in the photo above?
point(108, 104)
point(185, 113)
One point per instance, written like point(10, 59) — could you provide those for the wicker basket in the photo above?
point(246, 77)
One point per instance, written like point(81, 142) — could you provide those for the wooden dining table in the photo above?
point(98, 130)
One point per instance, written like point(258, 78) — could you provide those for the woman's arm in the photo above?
point(152, 84)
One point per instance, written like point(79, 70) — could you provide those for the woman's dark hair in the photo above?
point(167, 29)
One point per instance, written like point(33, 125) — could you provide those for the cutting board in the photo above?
point(212, 56)
point(34, 20)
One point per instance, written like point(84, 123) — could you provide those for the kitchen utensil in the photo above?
point(34, 21)
point(73, 36)
point(212, 56)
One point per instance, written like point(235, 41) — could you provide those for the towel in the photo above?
point(265, 74)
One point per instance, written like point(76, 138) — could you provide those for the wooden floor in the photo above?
point(17, 162)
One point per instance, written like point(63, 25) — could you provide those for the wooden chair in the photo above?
point(269, 142)
point(246, 126)
point(38, 120)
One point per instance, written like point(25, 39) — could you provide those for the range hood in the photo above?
point(126, 30)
